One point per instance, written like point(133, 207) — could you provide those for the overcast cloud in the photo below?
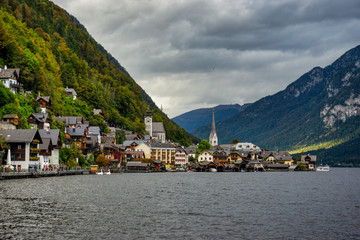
point(191, 54)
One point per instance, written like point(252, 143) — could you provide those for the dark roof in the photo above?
point(45, 144)
point(158, 127)
point(20, 135)
point(75, 131)
point(40, 117)
point(277, 165)
point(136, 164)
point(161, 145)
point(53, 134)
point(70, 120)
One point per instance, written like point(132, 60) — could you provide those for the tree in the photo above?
point(102, 161)
point(203, 145)
point(235, 141)
point(120, 136)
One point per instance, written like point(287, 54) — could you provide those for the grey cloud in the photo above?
point(216, 52)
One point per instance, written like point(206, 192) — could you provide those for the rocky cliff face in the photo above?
point(321, 109)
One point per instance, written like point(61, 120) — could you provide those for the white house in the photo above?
point(144, 147)
point(155, 129)
point(9, 77)
point(23, 147)
point(54, 135)
point(181, 157)
point(206, 156)
point(70, 92)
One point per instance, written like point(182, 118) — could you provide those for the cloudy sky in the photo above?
point(190, 54)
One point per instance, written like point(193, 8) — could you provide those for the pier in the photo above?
point(36, 174)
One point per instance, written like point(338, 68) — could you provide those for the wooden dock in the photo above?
point(15, 175)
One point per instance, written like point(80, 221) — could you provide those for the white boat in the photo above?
point(322, 168)
point(212, 170)
point(100, 173)
point(108, 172)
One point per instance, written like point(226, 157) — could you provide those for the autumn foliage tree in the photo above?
point(102, 161)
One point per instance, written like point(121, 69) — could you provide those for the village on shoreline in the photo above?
point(39, 148)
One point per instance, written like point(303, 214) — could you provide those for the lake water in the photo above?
point(295, 205)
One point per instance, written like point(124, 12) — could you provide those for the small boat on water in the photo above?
point(108, 172)
point(212, 170)
point(322, 168)
point(100, 173)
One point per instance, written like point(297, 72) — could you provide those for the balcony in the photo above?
point(34, 150)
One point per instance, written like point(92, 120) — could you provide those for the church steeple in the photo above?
point(213, 139)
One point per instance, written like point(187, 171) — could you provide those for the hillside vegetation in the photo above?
point(54, 51)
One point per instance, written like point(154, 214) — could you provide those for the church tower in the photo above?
point(148, 122)
point(213, 139)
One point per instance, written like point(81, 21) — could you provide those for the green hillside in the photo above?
point(54, 51)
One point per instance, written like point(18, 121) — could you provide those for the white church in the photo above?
point(156, 130)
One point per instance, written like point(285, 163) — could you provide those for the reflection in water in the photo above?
point(183, 205)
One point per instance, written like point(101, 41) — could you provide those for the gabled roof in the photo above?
point(71, 91)
point(45, 144)
point(40, 117)
point(312, 157)
point(97, 111)
point(53, 134)
point(7, 73)
point(20, 135)
point(128, 143)
point(45, 98)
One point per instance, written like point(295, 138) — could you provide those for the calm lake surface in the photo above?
point(296, 205)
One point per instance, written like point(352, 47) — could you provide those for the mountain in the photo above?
point(54, 51)
point(202, 117)
point(318, 112)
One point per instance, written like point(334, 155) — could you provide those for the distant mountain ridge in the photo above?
point(201, 117)
point(319, 112)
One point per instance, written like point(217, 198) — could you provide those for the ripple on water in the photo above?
point(190, 206)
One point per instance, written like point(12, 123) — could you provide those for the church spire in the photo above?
point(213, 123)
point(213, 140)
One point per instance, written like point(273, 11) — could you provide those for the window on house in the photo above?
point(19, 146)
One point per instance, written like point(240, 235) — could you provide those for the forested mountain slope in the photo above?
point(54, 51)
